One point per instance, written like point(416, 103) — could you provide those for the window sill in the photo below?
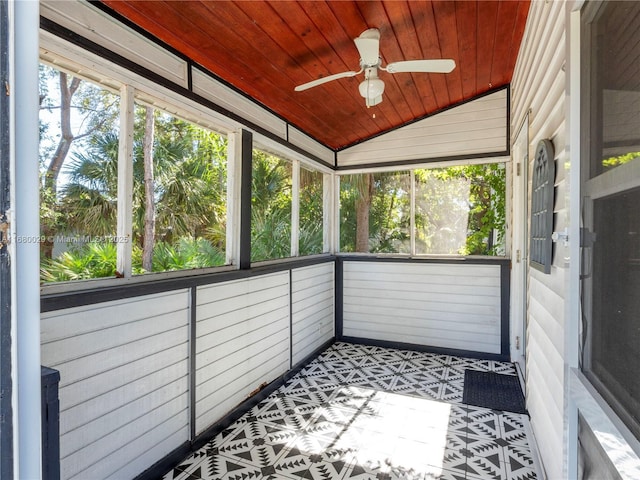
point(615, 439)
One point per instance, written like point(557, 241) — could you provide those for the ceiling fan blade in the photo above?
point(429, 66)
point(320, 81)
point(368, 45)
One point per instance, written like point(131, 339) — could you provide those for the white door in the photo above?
point(519, 254)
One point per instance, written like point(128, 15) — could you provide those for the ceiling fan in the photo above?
point(371, 88)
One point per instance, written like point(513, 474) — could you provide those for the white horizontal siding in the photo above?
point(211, 89)
point(538, 87)
point(123, 383)
point(437, 305)
point(242, 342)
point(312, 309)
point(308, 144)
point(476, 127)
point(95, 25)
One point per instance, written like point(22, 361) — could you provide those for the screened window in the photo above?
point(458, 211)
point(78, 172)
point(615, 93)
point(375, 212)
point(310, 239)
point(270, 207)
point(179, 194)
point(611, 263)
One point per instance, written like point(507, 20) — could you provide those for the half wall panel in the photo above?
point(124, 382)
point(312, 308)
point(428, 304)
point(242, 342)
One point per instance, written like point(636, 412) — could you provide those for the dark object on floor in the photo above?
point(493, 390)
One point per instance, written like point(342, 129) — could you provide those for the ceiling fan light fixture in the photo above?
point(371, 88)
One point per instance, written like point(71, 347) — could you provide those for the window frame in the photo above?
point(298, 161)
point(598, 186)
point(411, 169)
point(77, 62)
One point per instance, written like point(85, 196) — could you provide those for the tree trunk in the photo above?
point(149, 200)
point(363, 205)
point(62, 150)
point(66, 138)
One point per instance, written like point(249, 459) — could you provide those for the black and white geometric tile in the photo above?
point(363, 413)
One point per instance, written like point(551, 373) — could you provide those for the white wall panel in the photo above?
point(242, 341)
point(476, 127)
point(312, 308)
point(95, 25)
point(124, 385)
point(438, 305)
point(538, 86)
point(296, 137)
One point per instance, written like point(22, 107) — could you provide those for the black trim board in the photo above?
point(290, 318)
point(245, 200)
point(91, 296)
point(453, 260)
point(505, 303)
point(426, 349)
point(193, 335)
point(159, 469)
point(90, 46)
point(420, 161)
point(339, 297)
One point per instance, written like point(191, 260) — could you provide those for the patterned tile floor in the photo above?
point(359, 412)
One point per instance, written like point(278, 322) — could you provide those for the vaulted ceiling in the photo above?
point(266, 48)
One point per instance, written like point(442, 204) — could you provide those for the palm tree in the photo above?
point(270, 207)
point(189, 195)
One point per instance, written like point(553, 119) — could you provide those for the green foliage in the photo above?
point(187, 253)
point(311, 212)
point(459, 210)
point(612, 162)
point(99, 259)
point(190, 180)
point(92, 260)
point(190, 192)
point(389, 213)
point(270, 207)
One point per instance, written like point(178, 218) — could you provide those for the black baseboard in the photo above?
point(173, 459)
point(427, 349)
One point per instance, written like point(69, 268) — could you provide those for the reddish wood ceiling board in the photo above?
point(505, 26)
point(405, 100)
point(301, 60)
point(518, 33)
point(406, 30)
point(423, 14)
point(335, 34)
point(487, 17)
point(466, 24)
point(306, 66)
point(340, 92)
point(267, 48)
point(445, 16)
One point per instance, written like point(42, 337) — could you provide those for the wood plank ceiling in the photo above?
point(266, 48)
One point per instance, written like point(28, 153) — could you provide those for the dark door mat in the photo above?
point(493, 390)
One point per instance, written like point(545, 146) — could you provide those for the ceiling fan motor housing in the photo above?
point(371, 87)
